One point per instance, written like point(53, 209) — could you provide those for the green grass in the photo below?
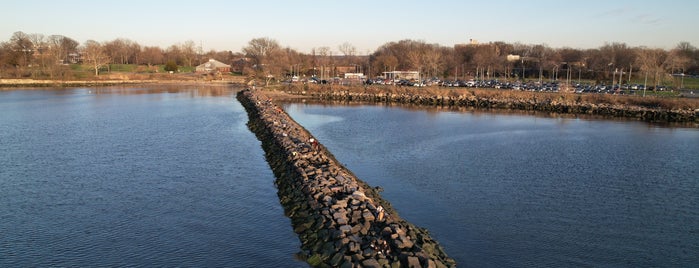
point(123, 67)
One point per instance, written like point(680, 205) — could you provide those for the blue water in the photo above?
point(172, 177)
point(508, 190)
point(158, 177)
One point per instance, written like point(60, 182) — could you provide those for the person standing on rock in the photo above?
point(314, 144)
point(379, 213)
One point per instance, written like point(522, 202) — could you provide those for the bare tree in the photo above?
point(324, 61)
point(118, 50)
point(173, 53)
point(189, 52)
point(62, 46)
point(21, 52)
point(348, 50)
point(152, 55)
point(433, 59)
point(263, 51)
point(95, 55)
point(58, 49)
point(41, 58)
point(651, 62)
point(259, 49)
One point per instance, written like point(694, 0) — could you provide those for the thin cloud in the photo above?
point(629, 14)
point(647, 19)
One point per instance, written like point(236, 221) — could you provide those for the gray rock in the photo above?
point(346, 228)
point(371, 263)
point(414, 262)
point(337, 259)
point(340, 203)
point(368, 216)
point(354, 247)
point(358, 195)
point(356, 228)
point(404, 242)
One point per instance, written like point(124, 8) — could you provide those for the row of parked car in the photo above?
point(546, 86)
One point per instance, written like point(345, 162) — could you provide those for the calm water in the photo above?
point(136, 177)
point(524, 191)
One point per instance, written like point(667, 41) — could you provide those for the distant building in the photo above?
point(407, 75)
point(357, 76)
point(213, 66)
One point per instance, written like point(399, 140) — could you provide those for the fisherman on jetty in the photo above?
point(314, 144)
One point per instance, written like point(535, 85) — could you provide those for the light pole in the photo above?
point(682, 81)
point(645, 84)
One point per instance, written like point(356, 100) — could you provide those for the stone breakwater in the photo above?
point(536, 104)
point(341, 221)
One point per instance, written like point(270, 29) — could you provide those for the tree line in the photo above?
point(612, 62)
point(40, 56)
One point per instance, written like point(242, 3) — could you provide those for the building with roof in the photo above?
point(213, 66)
point(407, 75)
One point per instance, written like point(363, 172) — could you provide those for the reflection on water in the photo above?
point(509, 190)
point(189, 90)
point(488, 112)
point(142, 177)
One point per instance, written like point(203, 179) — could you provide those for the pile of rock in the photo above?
point(340, 220)
point(543, 105)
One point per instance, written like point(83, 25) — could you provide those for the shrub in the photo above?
point(171, 66)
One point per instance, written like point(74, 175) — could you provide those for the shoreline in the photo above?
point(676, 110)
point(340, 220)
point(648, 109)
point(10, 84)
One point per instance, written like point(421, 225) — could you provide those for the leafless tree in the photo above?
point(21, 52)
point(95, 55)
point(152, 55)
point(349, 51)
point(324, 61)
point(651, 62)
point(62, 46)
point(262, 52)
point(433, 59)
point(120, 50)
point(189, 52)
point(174, 53)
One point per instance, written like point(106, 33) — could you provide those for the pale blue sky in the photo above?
point(302, 25)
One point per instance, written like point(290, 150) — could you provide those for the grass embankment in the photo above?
point(119, 74)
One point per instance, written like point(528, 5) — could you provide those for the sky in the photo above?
point(303, 24)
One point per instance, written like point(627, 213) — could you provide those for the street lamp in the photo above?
point(682, 81)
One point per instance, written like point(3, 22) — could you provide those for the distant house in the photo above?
point(213, 66)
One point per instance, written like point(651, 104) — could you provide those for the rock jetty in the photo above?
point(340, 220)
point(541, 104)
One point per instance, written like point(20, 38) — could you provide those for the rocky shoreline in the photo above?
point(540, 104)
point(341, 221)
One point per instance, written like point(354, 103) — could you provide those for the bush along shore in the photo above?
point(340, 220)
point(650, 109)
